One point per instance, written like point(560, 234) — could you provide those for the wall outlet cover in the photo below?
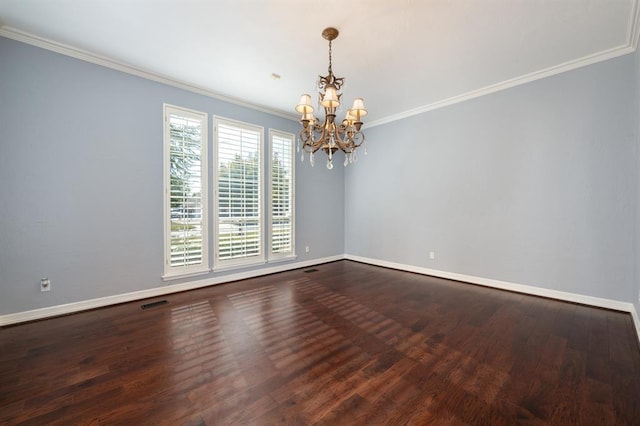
point(45, 284)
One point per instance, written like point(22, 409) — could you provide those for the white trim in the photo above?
point(243, 264)
point(503, 285)
point(283, 259)
point(636, 321)
point(203, 267)
point(634, 25)
point(275, 257)
point(178, 276)
point(632, 36)
point(261, 258)
point(84, 305)
point(84, 55)
point(527, 78)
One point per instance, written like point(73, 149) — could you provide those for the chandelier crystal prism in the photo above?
point(329, 135)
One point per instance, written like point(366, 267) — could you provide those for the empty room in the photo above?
point(234, 212)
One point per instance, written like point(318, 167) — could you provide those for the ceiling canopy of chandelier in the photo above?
point(329, 135)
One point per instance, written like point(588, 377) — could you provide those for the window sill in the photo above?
point(177, 276)
point(233, 266)
point(282, 259)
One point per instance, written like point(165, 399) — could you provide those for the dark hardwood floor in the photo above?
point(347, 344)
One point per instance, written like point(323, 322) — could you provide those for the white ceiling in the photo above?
point(401, 56)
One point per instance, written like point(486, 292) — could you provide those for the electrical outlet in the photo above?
point(306, 249)
point(432, 255)
point(45, 284)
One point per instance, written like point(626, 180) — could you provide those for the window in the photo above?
point(239, 206)
point(185, 192)
point(281, 184)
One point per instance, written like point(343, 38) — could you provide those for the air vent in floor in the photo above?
point(153, 304)
point(310, 270)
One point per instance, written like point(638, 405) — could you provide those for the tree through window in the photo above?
point(185, 189)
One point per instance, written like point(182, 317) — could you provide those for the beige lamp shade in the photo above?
point(305, 107)
point(358, 108)
point(350, 117)
point(330, 98)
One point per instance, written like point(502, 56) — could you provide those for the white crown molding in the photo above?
point(63, 49)
point(634, 25)
point(504, 285)
point(84, 305)
point(633, 35)
point(636, 321)
point(517, 81)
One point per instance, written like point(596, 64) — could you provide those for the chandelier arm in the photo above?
point(304, 137)
point(315, 144)
point(346, 140)
point(358, 136)
point(326, 135)
point(351, 137)
point(343, 143)
point(322, 137)
point(309, 144)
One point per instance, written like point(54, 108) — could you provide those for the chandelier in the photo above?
point(329, 135)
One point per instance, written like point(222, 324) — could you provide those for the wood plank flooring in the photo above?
point(348, 344)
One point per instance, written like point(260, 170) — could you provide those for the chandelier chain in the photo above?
point(330, 68)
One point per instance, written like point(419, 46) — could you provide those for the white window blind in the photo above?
point(185, 182)
point(281, 223)
point(238, 193)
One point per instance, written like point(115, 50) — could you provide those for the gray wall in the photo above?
point(533, 185)
point(81, 179)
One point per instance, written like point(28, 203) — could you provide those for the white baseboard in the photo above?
point(636, 321)
point(503, 285)
point(84, 305)
point(70, 308)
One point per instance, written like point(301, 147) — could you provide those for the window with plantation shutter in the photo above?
point(185, 192)
point(281, 191)
point(238, 206)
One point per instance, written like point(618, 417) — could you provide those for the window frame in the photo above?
point(273, 256)
point(224, 264)
point(175, 272)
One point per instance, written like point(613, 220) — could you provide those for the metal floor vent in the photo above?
point(153, 304)
point(310, 270)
